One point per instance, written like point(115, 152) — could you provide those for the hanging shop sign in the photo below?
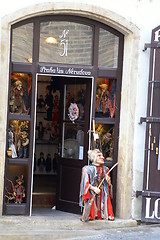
point(151, 187)
point(61, 70)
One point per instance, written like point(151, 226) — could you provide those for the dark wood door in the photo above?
point(73, 145)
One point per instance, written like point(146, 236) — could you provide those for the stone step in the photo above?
point(54, 225)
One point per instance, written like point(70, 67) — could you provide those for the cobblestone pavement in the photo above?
point(141, 232)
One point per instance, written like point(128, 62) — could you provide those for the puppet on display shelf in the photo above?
point(11, 152)
point(106, 98)
point(96, 189)
point(17, 191)
point(48, 103)
point(41, 162)
point(48, 162)
point(40, 102)
point(17, 99)
point(40, 129)
point(23, 144)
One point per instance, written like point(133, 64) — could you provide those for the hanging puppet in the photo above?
point(17, 191)
point(106, 98)
point(96, 189)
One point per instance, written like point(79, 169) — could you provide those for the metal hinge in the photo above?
point(151, 45)
point(138, 193)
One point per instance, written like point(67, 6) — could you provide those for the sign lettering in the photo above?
point(65, 71)
point(152, 213)
point(64, 42)
point(157, 36)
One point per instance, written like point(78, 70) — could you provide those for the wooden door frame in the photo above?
point(35, 101)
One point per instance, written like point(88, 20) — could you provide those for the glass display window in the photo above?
point(18, 139)
point(74, 117)
point(65, 42)
point(73, 144)
point(20, 93)
point(16, 184)
point(108, 49)
point(105, 140)
point(22, 43)
point(105, 98)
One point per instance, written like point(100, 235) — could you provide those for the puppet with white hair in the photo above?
point(101, 207)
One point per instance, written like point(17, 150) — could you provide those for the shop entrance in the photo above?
point(80, 49)
point(61, 140)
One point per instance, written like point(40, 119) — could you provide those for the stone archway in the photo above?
point(124, 178)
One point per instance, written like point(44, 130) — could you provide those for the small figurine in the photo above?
point(48, 163)
point(102, 98)
point(19, 190)
point(48, 103)
point(40, 103)
point(96, 189)
point(56, 109)
point(41, 162)
point(23, 144)
point(40, 129)
point(54, 132)
point(11, 152)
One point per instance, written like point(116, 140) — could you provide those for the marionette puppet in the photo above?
point(17, 191)
point(23, 145)
point(48, 103)
point(17, 99)
point(96, 189)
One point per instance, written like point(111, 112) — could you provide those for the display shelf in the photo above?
point(23, 117)
point(46, 142)
point(45, 173)
point(15, 209)
point(41, 112)
point(105, 120)
point(17, 161)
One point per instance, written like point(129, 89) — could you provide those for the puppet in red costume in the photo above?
point(92, 175)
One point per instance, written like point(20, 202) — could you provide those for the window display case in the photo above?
point(105, 111)
point(16, 189)
point(18, 139)
point(18, 146)
point(106, 98)
point(105, 140)
point(20, 93)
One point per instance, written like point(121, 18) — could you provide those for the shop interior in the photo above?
point(46, 143)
